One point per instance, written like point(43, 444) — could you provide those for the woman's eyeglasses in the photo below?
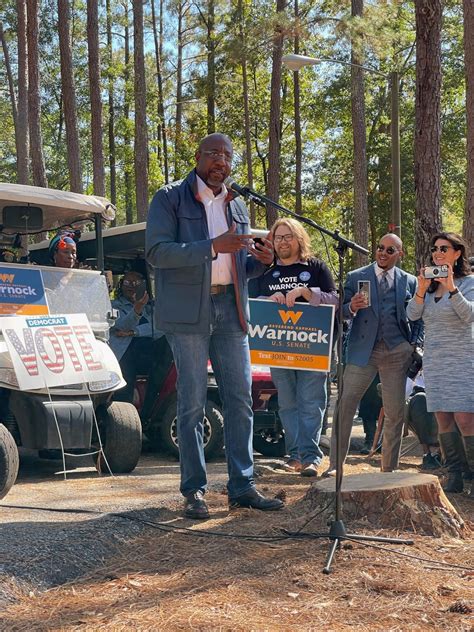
point(441, 248)
point(278, 238)
point(390, 250)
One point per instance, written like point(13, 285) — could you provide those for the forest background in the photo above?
point(112, 97)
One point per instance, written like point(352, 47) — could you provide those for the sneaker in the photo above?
point(367, 447)
point(331, 471)
point(431, 462)
point(292, 465)
point(309, 469)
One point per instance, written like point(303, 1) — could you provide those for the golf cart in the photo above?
point(78, 416)
point(124, 250)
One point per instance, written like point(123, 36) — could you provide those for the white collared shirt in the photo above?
point(390, 275)
point(215, 206)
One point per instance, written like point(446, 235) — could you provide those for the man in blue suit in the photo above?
point(197, 240)
point(381, 340)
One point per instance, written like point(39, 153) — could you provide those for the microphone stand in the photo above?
point(337, 530)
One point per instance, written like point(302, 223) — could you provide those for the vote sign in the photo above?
point(53, 350)
point(294, 338)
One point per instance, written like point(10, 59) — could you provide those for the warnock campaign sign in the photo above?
point(56, 350)
point(296, 338)
point(22, 291)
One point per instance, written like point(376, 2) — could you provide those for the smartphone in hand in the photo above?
point(364, 289)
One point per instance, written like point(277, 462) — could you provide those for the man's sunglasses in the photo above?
point(441, 248)
point(390, 250)
point(132, 283)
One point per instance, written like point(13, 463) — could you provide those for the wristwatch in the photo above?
point(456, 291)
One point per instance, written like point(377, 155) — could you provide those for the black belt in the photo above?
point(222, 289)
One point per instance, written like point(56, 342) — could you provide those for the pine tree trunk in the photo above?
point(111, 117)
point(141, 139)
point(34, 106)
point(23, 149)
point(361, 218)
point(298, 143)
point(96, 102)
point(245, 99)
point(11, 86)
point(468, 226)
point(158, 40)
point(69, 98)
point(179, 91)
point(128, 177)
point(211, 68)
point(273, 189)
point(427, 124)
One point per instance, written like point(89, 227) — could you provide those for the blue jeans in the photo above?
point(301, 401)
point(227, 347)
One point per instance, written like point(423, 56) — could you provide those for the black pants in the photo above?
point(137, 360)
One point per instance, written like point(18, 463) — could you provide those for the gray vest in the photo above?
point(388, 329)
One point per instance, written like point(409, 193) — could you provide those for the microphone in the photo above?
point(232, 184)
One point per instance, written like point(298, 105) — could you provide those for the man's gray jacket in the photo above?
point(178, 246)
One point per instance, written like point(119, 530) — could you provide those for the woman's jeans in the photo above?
point(301, 401)
point(227, 347)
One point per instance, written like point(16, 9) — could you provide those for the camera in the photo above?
point(436, 272)
point(416, 364)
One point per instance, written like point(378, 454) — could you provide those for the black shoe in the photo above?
point(455, 483)
point(195, 506)
point(254, 499)
point(431, 462)
point(367, 447)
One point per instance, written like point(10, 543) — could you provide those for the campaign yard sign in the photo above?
point(22, 291)
point(294, 338)
point(54, 350)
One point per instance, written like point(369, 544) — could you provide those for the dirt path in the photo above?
point(66, 571)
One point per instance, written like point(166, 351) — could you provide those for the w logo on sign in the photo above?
point(287, 316)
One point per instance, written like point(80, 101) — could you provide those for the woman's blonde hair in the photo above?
point(299, 232)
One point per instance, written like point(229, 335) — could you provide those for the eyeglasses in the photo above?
point(215, 155)
point(288, 237)
point(390, 250)
point(131, 283)
point(441, 248)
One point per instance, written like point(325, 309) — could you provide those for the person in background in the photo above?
point(380, 340)
point(198, 241)
point(446, 305)
point(298, 277)
point(63, 250)
point(132, 334)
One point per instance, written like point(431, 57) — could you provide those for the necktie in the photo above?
point(384, 282)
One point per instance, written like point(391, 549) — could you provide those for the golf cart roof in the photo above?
point(59, 208)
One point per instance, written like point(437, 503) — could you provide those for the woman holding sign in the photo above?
point(298, 277)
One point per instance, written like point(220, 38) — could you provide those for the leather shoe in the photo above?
point(309, 469)
point(195, 506)
point(255, 500)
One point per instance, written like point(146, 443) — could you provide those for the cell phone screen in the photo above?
point(140, 291)
point(364, 288)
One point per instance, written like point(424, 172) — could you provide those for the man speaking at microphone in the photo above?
point(198, 241)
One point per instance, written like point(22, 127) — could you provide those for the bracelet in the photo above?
point(422, 297)
point(456, 291)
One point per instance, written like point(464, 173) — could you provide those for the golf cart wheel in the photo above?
point(213, 430)
point(9, 461)
point(270, 443)
point(121, 436)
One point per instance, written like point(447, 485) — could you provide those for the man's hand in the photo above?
point(140, 303)
point(122, 333)
point(263, 252)
point(278, 297)
point(229, 242)
point(358, 301)
point(297, 292)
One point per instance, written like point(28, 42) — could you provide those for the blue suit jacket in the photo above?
point(363, 333)
point(178, 246)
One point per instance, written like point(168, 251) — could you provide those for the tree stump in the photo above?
point(392, 500)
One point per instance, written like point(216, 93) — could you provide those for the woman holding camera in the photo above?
point(445, 301)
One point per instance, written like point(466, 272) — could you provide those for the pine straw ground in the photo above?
point(174, 581)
